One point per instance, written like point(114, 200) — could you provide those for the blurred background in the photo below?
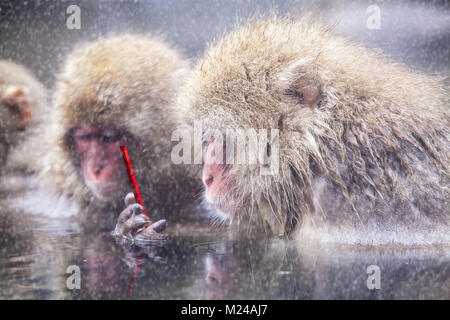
point(35, 33)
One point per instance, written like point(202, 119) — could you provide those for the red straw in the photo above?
point(133, 182)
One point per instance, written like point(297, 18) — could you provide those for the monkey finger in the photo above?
point(149, 234)
point(134, 209)
point(159, 226)
point(129, 199)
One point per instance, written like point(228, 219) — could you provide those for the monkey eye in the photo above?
point(84, 137)
point(206, 141)
point(209, 181)
point(295, 94)
point(268, 149)
point(111, 136)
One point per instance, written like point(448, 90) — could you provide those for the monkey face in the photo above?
point(98, 153)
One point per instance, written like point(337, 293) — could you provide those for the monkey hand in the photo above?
point(133, 225)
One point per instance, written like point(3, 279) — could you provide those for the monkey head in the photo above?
point(112, 92)
point(253, 80)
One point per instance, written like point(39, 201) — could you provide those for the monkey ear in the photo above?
point(300, 85)
point(307, 92)
point(18, 104)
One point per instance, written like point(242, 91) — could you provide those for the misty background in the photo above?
point(35, 34)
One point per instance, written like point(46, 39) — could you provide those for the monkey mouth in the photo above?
point(105, 192)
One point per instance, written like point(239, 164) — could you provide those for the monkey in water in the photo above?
point(23, 101)
point(359, 142)
point(111, 92)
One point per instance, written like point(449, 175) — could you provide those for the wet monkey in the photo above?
point(362, 144)
point(23, 100)
point(117, 91)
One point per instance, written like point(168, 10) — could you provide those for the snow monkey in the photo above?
point(22, 102)
point(111, 92)
point(361, 142)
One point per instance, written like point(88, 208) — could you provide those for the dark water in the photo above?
point(200, 263)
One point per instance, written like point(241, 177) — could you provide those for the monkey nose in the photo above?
point(98, 171)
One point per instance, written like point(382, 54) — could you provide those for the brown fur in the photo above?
point(12, 139)
point(372, 152)
point(126, 82)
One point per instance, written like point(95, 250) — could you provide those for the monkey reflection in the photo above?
point(221, 268)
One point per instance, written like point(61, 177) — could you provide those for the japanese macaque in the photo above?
point(23, 100)
point(358, 142)
point(112, 92)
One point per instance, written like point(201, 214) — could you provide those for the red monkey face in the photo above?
point(98, 151)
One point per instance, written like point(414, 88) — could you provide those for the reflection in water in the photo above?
point(34, 260)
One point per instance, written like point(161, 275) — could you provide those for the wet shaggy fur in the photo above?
point(371, 154)
point(13, 146)
point(126, 82)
